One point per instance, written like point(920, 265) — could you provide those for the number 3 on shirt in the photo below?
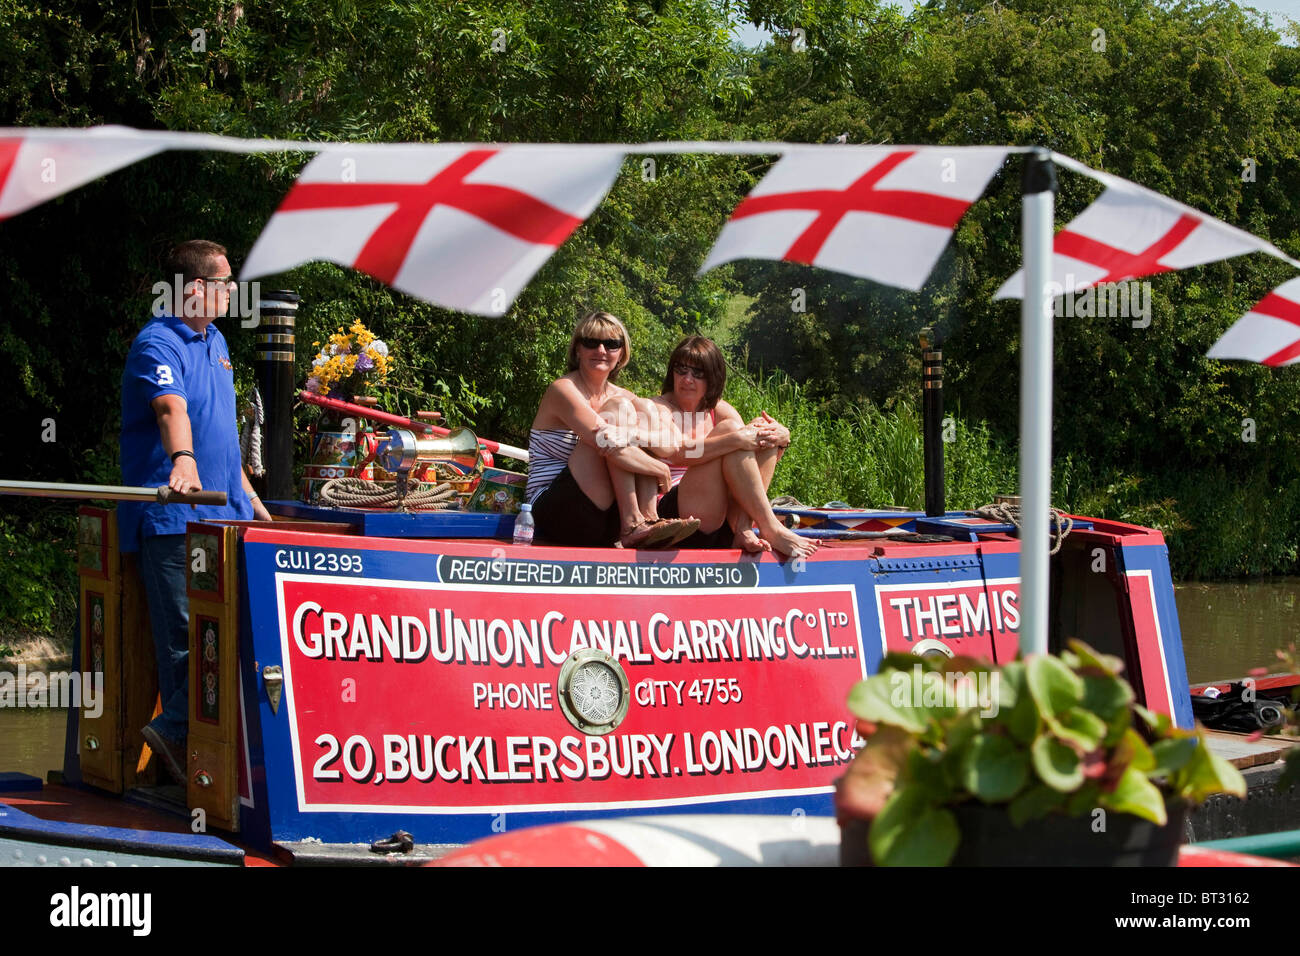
point(164, 374)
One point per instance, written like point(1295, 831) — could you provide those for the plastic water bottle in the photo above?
point(524, 525)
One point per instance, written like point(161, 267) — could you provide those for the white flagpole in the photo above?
point(1039, 188)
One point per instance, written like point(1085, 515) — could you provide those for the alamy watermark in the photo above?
point(960, 689)
point(74, 908)
point(627, 426)
point(244, 297)
point(62, 689)
point(1110, 300)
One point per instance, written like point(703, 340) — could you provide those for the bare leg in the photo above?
point(626, 484)
point(587, 466)
point(647, 489)
point(703, 494)
point(636, 494)
point(740, 519)
point(627, 494)
point(647, 495)
point(740, 468)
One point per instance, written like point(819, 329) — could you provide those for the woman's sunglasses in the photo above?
point(611, 345)
point(691, 370)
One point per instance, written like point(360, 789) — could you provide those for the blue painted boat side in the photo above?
point(15, 824)
point(1154, 560)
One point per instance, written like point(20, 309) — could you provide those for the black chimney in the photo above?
point(275, 381)
point(932, 421)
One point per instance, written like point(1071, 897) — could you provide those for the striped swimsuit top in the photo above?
point(548, 452)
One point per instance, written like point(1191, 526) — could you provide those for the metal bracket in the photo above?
point(273, 678)
point(920, 565)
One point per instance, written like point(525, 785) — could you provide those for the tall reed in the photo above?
point(868, 457)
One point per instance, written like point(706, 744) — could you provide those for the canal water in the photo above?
point(1228, 628)
point(1231, 627)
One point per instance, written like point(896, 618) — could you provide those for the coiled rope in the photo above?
point(250, 438)
point(1010, 514)
point(360, 493)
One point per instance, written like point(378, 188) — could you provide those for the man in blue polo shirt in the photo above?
point(179, 430)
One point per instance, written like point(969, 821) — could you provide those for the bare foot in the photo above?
point(746, 540)
point(790, 544)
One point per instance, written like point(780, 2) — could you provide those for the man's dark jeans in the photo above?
point(162, 566)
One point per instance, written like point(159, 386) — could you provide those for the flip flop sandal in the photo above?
point(669, 531)
point(692, 526)
point(637, 537)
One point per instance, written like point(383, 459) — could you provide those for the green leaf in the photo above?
point(994, 769)
point(1137, 795)
point(1054, 687)
point(925, 772)
point(1206, 774)
point(1057, 765)
point(1079, 728)
point(887, 699)
point(1159, 723)
point(1011, 685)
point(1106, 696)
point(1132, 751)
point(1021, 716)
point(1089, 657)
point(911, 831)
point(967, 727)
point(1173, 754)
point(1034, 804)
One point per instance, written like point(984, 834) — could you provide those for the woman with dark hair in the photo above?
point(568, 479)
point(720, 466)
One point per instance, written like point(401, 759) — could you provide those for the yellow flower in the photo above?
point(338, 365)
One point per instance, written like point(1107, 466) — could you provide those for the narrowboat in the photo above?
point(381, 679)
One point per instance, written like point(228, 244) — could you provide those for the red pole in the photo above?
point(363, 412)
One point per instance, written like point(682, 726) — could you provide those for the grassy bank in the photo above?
point(1217, 525)
point(38, 567)
point(870, 457)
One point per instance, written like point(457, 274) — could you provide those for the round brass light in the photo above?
point(932, 648)
point(593, 691)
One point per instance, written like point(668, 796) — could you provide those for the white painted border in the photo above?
point(1160, 638)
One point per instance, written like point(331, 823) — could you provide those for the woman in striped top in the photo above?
point(568, 478)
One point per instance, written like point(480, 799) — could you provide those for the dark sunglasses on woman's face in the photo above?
point(691, 370)
point(611, 345)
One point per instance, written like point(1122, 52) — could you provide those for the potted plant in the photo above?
point(1045, 760)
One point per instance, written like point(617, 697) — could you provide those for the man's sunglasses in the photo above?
point(219, 280)
point(611, 345)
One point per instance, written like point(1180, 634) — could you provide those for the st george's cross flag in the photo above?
point(1269, 333)
point(1131, 232)
point(879, 212)
point(37, 165)
point(463, 227)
